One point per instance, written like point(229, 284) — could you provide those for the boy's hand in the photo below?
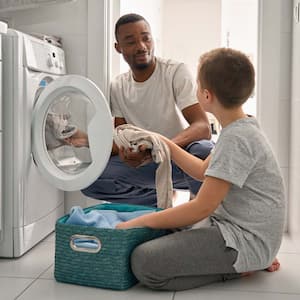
point(123, 225)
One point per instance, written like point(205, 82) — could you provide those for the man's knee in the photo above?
point(201, 148)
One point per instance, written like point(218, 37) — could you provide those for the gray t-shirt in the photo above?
point(251, 217)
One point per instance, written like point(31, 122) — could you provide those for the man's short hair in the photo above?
point(129, 18)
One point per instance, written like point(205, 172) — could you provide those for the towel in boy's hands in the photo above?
point(130, 136)
point(102, 218)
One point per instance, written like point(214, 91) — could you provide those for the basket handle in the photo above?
point(85, 243)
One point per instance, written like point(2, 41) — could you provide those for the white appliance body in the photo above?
point(37, 168)
point(30, 204)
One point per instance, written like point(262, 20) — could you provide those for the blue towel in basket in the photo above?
point(102, 218)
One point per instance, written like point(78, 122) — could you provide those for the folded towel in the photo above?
point(130, 136)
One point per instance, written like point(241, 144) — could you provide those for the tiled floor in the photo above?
point(31, 277)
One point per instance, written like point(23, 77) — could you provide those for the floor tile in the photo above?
point(290, 245)
point(10, 288)
point(18, 281)
point(286, 280)
point(48, 274)
point(50, 238)
point(197, 294)
point(50, 290)
point(31, 264)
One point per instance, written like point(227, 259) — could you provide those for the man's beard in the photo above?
point(142, 66)
point(146, 64)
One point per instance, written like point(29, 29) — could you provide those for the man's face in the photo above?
point(136, 45)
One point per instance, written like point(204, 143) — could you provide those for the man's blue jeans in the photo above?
point(124, 184)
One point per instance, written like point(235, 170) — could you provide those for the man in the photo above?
point(158, 95)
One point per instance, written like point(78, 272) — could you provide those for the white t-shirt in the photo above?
point(156, 103)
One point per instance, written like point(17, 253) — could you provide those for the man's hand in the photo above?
point(78, 139)
point(135, 158)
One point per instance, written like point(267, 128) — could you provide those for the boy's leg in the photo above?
point(184, 260)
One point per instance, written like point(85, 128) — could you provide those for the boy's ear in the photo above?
point(207, 94)
point(117, 47)
point(208, 97)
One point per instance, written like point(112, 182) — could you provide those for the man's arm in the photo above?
point(118, 121)
point(199, 126)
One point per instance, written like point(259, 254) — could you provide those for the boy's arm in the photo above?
point(209, 197)
point(189, 163)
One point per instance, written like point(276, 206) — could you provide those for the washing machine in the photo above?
point(42, 108)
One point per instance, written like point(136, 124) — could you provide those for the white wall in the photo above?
point(190, 28)
point(294, 214)
point(274, 78)
point(239, 31)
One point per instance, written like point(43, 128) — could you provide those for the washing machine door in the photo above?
point(72, 132)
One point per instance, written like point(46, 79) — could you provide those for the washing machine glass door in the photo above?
point(72, 132)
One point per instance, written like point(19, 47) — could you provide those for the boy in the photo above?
point(240, 204)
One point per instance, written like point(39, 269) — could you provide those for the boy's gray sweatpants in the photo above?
point(184, 260)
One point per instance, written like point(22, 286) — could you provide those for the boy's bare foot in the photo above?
point(274, 267)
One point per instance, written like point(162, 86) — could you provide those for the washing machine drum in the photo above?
point(72, 132)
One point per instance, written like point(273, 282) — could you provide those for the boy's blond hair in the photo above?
point(228, 74)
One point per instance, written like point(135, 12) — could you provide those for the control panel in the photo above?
point(43, 57)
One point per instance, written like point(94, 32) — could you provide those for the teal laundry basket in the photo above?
point(107, 265)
